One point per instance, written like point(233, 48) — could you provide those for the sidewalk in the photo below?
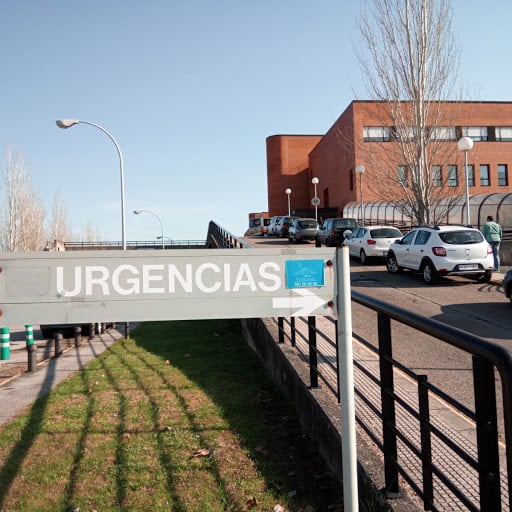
point(19, 387)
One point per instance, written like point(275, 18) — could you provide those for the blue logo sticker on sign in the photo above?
point(304, 273)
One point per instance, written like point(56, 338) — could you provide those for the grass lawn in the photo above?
point(180, 417)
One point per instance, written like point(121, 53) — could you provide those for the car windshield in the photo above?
point(307, 224)
point(385, 233)
point(462, 237)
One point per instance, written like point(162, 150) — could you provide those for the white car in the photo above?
point(371, 241)
point(436, 251)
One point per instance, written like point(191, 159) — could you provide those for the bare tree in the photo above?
point(409, 59)
point(24, 214)
point(91, 233)
point(59, 228)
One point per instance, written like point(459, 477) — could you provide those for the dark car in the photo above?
point(332, 232)
point(302, 230)
point(507, 284)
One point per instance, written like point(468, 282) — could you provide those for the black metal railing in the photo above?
point(137, 244)
point(446, 471)
point(220, 238)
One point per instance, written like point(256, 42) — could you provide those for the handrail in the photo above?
point(487, 356)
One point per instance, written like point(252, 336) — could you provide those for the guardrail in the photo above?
point(150, 244)
point(221, 238)
point(444, 470)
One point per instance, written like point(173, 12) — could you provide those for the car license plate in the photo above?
point(468, 267)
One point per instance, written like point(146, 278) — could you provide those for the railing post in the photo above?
point(57, 337)
point(292, 331)
point(426, 443)
point(78, 336)
point(313, 354)
point(5, 343)
point(387, 390)
point(280, 328)
point(487, 435)
point(31, 348)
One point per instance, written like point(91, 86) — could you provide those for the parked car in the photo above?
point(507, 284)
point(272, 227)
point(258, 226)
point(436, 251)
point(283, 226)
point(371, 241)
point(332, 232)
point(302, 230)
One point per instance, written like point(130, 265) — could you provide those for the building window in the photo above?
point(442, 133)
point(503, 133)
point(351, 179)
point(402, 176)
point(437, 176)
point(477, 133)
point(452, 178)
point(405, 133)
point(376, 133)
point(471, 175)
point(502, 175)
point(484, 175)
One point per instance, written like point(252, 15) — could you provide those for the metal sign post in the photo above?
point(346, 380)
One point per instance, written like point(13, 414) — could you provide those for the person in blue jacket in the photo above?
point(493, 233)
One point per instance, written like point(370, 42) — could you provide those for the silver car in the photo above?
point(302, 230)
point(371, 241)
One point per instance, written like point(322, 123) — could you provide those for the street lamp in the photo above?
point(360, 170)
point(465, 144)
point(137, 212)
point(315, 201)
point(68, 123)
point(288, 191)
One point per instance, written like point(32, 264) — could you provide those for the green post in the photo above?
point(29, 335)
point(5, 338)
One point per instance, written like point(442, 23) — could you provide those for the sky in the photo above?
point(189, 90)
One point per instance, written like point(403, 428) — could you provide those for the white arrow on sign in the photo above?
point(306, 301)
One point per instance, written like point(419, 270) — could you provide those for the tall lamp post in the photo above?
point(68, 123)
point(288, 192)
point(360, 170)
point(465, 144)
point(137, 212)
point(315, 201)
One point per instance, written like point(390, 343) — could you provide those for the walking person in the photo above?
point(492, 233)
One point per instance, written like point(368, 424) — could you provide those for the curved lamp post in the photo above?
point(315, 200)
point(288, 192)
point(465, 144)
point(360, 170)
point(137, 212)
point(68, 123)
point(165, 238)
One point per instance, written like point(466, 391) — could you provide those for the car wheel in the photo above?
point(317, 243)
point(392, 264)
point(429, 272)
point(363, 258)
point(484, 278)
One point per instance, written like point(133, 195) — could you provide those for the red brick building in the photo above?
point(364, 135)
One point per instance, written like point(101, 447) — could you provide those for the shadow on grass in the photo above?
point(214, 355)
